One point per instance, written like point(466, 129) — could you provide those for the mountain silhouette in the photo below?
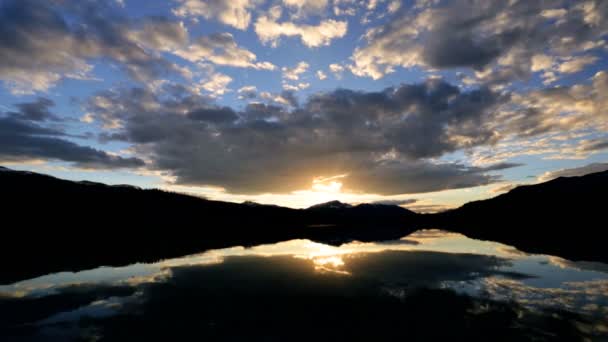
point(59, 225)
point(53, 225)
point(565, 216)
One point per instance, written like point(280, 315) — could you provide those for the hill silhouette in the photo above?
point(58, 225)
point(53, 225)
point(565, 216)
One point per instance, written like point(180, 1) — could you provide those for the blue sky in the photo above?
point(429, 103)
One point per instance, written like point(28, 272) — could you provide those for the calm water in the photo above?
point(428, 285)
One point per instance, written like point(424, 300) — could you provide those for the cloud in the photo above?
point(306, 7)
point(236, 13)
point(270, 31)
point(24, 136)
point(221, 49)
point(50, 41)
point(564, 122)
point(38, 110)
point(382, 141)
point(159, 33)
point(294, 73)
point(564, 109)
point(321, 75)
point(57, 40)
point(504, 188)
point(497, 39)
point(574, 172)
point(576, 64)
point(216, 84)
point(336, 69)
point(401, 202)
point(247, 92)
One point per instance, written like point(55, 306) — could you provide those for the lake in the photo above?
point(430, 285)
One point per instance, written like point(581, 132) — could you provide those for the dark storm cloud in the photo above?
point(382, 140)
point(217, 115)
point(23, 137)
point(43, 41)
point(504, 35)
point(38, 110)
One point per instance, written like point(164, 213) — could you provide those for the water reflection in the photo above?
point(299, 290)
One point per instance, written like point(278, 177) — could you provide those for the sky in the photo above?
point(426, 104)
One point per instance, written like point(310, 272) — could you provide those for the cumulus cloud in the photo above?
point(563, 109)
point(269, 30)
point(382, 140)
point(216, 83)
point(55, 40)
point(26, 135)
point(222, 49)
point(565, 122)
point(159, 33)
point(294, 73)
point(236, 13)
point(498, 39)
point(248, 92)
point(336, 69)
point(306, 7)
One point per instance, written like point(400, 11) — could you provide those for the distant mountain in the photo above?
point(53, 224)
point(330, 205)
point(565, 216)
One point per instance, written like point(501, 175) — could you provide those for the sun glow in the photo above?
point(326, 258)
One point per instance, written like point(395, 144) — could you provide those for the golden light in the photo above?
point(326, 258)
point(332, 187)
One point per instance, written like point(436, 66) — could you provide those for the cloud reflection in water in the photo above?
point(430, 285)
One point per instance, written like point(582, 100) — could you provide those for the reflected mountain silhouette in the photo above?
point(384, 296)
point(79, 225)
point(565, 217)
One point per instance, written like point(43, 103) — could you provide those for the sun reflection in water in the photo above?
point(326, 258)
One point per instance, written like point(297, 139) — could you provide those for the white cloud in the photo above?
point(394, 6)
point(270, 31)
point(576, 64)
point(500, 36)
point(87, 118)
point(552, 66)
point(247, 92)
point(336, 69)
point(217, 84)
point(22, 82)
point(246, 89)
point(321, 75)
point(236, 13)
point(277, 98)
point(295, 72)
point(290, 87)
point(554, 13)
point(296, 87)
point(222, 49)
point(306, 7)
point(541, 62)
